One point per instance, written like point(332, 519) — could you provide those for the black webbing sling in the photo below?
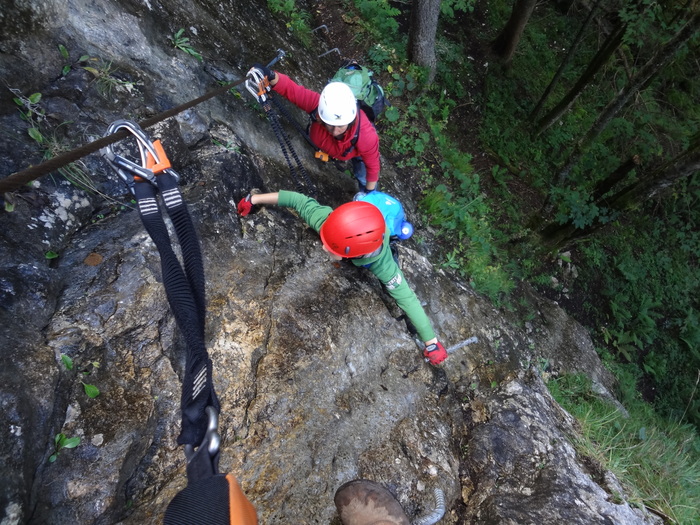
point(210, 498)
point(259, 86)
point(183, 288)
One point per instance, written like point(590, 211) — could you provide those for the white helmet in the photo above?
point(337, 106)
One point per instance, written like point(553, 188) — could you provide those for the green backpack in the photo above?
point(367, 91)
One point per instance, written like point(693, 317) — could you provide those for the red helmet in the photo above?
point(353, 229)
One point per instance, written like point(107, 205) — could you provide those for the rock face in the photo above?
point(319, 382)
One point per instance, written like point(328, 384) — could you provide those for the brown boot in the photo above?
point(363, 502)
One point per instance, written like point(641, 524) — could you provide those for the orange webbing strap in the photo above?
point(242, 510)
point(163, 161)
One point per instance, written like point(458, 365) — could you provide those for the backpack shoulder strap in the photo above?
point(356, 136)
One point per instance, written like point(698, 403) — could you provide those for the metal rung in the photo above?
point(334, 49)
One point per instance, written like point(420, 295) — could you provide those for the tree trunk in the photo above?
point(599, 60)
point(421, 38)
point(649, 187)
point(633, 195)
point(640, 80)
point(505, 43)
point(565, 63)
point(616, 176)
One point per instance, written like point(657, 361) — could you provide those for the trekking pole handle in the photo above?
point(280, 55)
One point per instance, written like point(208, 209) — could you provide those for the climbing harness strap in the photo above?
point(258, 86)
point(184, 288)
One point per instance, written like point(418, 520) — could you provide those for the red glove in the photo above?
point(435, 353)
point(245, 206)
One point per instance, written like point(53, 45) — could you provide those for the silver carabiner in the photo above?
point(129, 170)
point(211, 440)
point(256, 84)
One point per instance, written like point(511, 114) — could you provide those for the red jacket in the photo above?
point(367, 146)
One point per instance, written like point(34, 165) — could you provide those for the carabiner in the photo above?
point(203, 462)
point(257, 84)
point(153, 157)
point(211, 440)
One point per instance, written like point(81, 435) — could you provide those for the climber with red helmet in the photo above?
point(339, 129)
point(356, 231)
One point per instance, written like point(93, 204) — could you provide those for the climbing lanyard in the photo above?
point(210, 498)
point(184, 288)
point(259, 87)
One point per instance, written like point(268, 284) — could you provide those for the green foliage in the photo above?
point(641, 273)
point(228, 146)
point(64, 53)
point(652, 317)
point(297, 19)
point(51, 143)
point(182, 43)
point(66, 56)
point(658, 462)
point(449, 7)
point(380, 57)
point(380, 15)
point(29, 107)
point(75, 172)
point(67, 361)
point(91, 390)
point(60, 442)
point(462, 219)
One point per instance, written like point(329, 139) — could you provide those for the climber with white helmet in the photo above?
point(357, 231)
point(339, 129)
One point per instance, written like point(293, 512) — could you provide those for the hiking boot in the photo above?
point(364, 502)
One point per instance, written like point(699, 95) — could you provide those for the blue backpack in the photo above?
point(393, 213)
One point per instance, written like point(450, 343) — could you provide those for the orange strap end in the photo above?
point(164, 163)
point(262, 86)
point(321, 155)
point(242, 511)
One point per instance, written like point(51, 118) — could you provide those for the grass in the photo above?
point(104, 76)
point(657, 461)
